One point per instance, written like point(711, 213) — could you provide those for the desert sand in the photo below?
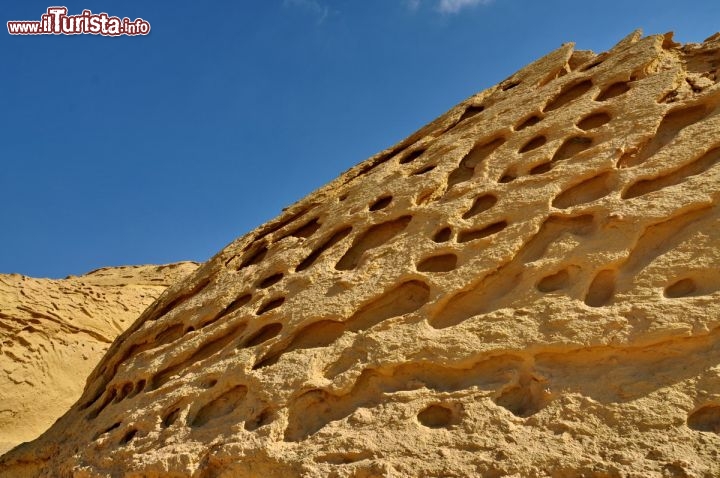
point(54, 332)
point(528, 286)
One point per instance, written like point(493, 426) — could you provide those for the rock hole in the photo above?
point(254, 257)
point(628, 158)
point(209, 383)
point(601, 289)
point(486, 294)
point(317, 334)
point(510, 85)
point(107, 430)
point(571, 147)
point(306, 230)
point(219, 407)
point(693, 85)
point(232, 307)
point(381, 203)
point(593, 121)
point(480, 205)
point(534, 143)
point(403, 299)
point(412, 156)
point(675, 470)
point(587, 191)
point(705, 419)
point(507, 177)
point(266, 333)
point(109, 397)
point(128, 437)
point(471, 235)
point(471, 111)
point(205, 351)
point(170, 418)
point(311, 411)
point(541, 168)
point(96, 396)
point(139, 387)
point(466, 168)
point(670, 97)
point(424, 170)
point(647, 186)
point(179, 299)
point(439, 263)
point(616, 89)
point(276, 225)
point(338, 236)
point(443, 235)
point(523, 399)
point(554, 282)
point(553, 75)
point(425, 197)
point(270, 305)
point(681, 288)
point(435, 416)
point(126, 389)
point(568, 94)
point(138, 348)
point(369, 165)
point(264, 418)
point(671, 125)
point(660, 237)
point(593, 64)
point(343, 458)
point(579, 58)
point(168, 335)
point(531, 121)
point(271, 280)
point(375, 236)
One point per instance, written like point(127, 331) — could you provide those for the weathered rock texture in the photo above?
point(527, 286)
point(54, 332)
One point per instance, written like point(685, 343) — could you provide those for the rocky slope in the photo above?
point(527, 286)
point(54, 332)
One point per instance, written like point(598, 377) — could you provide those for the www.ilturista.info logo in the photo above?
point(57, 22)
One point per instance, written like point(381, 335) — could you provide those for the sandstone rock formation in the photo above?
point(54, 332)
point(527, 286)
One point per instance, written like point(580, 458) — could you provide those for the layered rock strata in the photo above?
point(54, 332)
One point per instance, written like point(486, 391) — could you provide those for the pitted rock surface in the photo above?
point(527, 286)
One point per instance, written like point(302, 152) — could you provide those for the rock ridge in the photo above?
point(527, 286)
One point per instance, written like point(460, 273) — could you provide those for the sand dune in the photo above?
point(54, 332)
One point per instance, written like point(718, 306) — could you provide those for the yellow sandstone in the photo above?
point(528, 286)
point(54, 332)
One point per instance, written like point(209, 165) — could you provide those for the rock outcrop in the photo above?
point(54, 332)
point(527, 286)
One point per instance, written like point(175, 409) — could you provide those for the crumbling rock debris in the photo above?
point(527, 286)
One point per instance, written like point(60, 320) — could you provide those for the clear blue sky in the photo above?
point(162, 148)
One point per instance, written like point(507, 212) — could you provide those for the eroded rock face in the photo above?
point(527, 286)
point(54, 332)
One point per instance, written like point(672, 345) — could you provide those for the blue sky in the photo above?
point(154, 149)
